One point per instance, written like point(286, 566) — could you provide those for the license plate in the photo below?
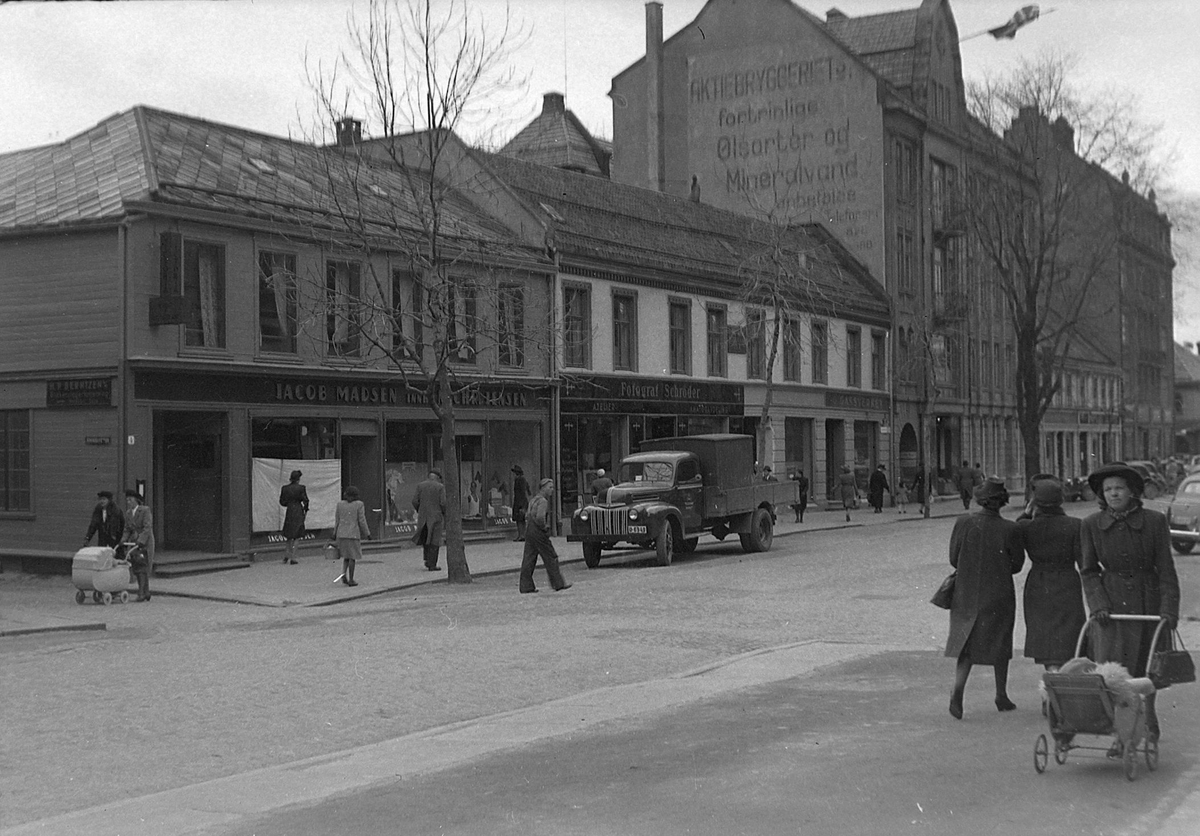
point(637, 529)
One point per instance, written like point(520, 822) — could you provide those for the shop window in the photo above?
point(718, 342)
point(679, 322)
point(854, 358)
point(15, 473)
point(277, 302)
point(293, 438)
point(343, 316)
point(820, 351)
point(756, 344)
point(577, 326)
point(510, 325)
point(624, 307)
point(196, 269)
point(791, 349)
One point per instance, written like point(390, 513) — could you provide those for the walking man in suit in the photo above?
point(108, 523)
point(430, 504)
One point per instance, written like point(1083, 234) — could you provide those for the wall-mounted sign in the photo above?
point(88, 391)
point(849, 400)
point(596, 393)
point(98, 440)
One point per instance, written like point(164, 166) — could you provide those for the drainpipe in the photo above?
point(123, 344)
point(655, 155)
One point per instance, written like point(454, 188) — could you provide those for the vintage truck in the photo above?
point(676, 489)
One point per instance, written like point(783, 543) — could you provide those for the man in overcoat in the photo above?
point(520, 503)
point(877, 486)
point(985, 552)
point(108, 523)
point(1053, 596)
point(1127, 568)
point(430, 504)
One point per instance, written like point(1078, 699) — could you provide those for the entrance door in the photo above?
point(192, 503)
point(835, 454)
point(360, 468)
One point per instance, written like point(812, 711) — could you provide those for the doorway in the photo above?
point(835, 454)
point(192, 452)
point(360, 467)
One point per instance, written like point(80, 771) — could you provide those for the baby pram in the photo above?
point(101, 571)
point(1104, 701)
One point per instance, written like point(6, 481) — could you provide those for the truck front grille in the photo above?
point(609, 520)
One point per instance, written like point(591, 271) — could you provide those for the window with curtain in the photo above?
point(718, 341)
point(624, 331)
point(464, 323)
point(577, 326)
point(343, 316)
point(820, 352)
point(756, 344)
point(510, 325)
point(878, 360)
point(204, 294)
point(400, 280)
point(15, 471)
point(277, 302)
point(791, 349)
point(679, 323)
point(854, 358)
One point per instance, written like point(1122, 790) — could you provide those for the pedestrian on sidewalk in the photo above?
point(520, 503)
point(139, 529)
point(964, 480)
point(901, 497)
point(848, 490)
point(108, 523)
point(430, 504)
point(350, 529)
point(802, 488)
point(985, 552)
point(1128, 568)
point(537, 541)
point(294, 497)
point(1053, 596)
point(877, 487)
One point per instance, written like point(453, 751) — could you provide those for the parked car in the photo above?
point(1183, 514)
point(1156, 483)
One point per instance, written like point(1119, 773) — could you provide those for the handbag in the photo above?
point(1171, 667)
point(332, 552)
point(944, 597)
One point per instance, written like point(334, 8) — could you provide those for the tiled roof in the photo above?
point(85, 178)
point(146, 155)
point(886, 42)
point(557, 138)
point(617, 225)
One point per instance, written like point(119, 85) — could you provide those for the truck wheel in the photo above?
point(760, 536)
point(689, 545)
point(664, 544)
point(591, 555)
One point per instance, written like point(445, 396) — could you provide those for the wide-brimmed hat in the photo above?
point(1047, 492)
point(104, 494)
point(1132, 478)
point(516, 468)
point(992, 489)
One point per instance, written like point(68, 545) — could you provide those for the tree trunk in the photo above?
point(1031, 431)
point(457, 570)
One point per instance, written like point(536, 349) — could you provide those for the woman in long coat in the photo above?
point(876, 488)
point(1127, 568)
point(294, 497)
point(1054, 612)
point(985, 551)
point(847, 490)
point(350, 529)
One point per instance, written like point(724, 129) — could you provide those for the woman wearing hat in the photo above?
point(1127, 568)
point(139, 528)
point(1053, 593)
point(985, 551)
point(294, 497)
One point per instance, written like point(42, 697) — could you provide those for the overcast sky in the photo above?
point(66, 66)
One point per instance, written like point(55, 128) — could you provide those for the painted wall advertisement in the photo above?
point(787, 132)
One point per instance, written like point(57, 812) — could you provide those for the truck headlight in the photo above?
point(633, 514)
point(583, 515)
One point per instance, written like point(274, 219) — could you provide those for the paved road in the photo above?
point(215, 692)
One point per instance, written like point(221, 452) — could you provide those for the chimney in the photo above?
point(835, 15)
point(1063, 133)
point(553, 104)
point(655, 175)
point(349, 131)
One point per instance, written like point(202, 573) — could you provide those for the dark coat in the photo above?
point(108, 531)
point(847, 490)
point(139, 528)
point(294, 497)
point(1127, 567)
point(802, 483)
point(876, 488)
point(985, 550)
point(600, 488)
point(520, 497)
point(430, 504)
point(1054, 612)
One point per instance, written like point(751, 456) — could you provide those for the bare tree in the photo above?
point(1044, 221)
point(444, 299)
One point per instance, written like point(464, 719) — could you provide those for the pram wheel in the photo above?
point(1152, 755)
point(80, 596)
point(1041, 753)
point(96, 599)
point(106, 598)
point(1130, 759)
point(1060, 752)
point(124, 597)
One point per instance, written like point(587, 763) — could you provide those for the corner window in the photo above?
point(277, 302)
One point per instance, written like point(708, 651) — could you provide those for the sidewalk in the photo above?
point(270, 583)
